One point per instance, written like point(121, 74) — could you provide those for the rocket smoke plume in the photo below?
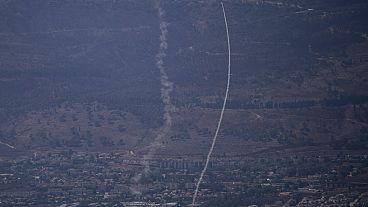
point(166, 88)
point(222, 111)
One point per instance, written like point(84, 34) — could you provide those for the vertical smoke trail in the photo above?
point(222, 111)
point(166, 88)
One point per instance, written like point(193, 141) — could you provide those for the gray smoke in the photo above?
point(166, 88)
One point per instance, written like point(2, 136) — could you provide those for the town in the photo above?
point(69, 178)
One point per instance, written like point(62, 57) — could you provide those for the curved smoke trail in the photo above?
point(166, 88)
point(222, 111)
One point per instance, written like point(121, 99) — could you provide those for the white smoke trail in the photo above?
point(8, 145)
point(222, 111)
point(166, 88)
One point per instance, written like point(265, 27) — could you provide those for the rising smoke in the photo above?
point(166, 88)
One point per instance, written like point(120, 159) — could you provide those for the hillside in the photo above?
point(83, 75)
